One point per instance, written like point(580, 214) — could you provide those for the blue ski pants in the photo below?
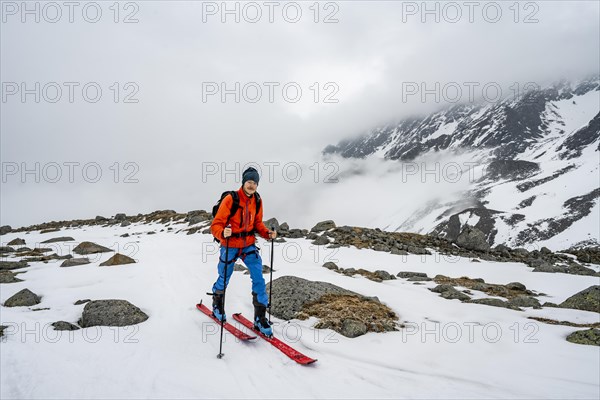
point(253, 261)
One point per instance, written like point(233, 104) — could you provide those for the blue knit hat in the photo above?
point(250, 174)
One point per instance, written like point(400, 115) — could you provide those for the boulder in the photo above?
point(453, 294)
point(516, 286)
point(59, 239)
point(74, 262)
point(320, 241)
point(90, 248)
point(6, 249)
point(111, 313)
point(588, 300)
point(408, 274)
point(524, 301)
point(8, 265)
point(291, 293)
point(64, 326)
point(120, 217)
point(492, 302)
point(24, 298)
point(8, 277)
point(331, 265)
point(472, 239)
point(587, 336)
point(352, 328)
point(323, 226)
point(118, 259)
point(384, 275)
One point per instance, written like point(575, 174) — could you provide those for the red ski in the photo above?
point(283, 347)
point(228, 327)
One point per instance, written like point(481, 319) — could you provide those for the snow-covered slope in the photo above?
point(530, 163)
point(448, 349)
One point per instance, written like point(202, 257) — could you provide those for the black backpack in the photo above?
point(234, 206)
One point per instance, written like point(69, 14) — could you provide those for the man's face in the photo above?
point(250, 187)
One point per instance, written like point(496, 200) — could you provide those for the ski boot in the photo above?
point(218, 307)
point(261, 323)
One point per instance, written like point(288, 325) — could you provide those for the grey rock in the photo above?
point(125, 223)
point(578, 269)
point(111, 313)
point(399, 252)
point(521, 252)
point(492, 302)
point(588, 336)
point(59, 239)
point(320, 241)
point(24, 298)
point(545, 250)
point(74, 262)
point(551, 305)
point(472, 239)
point(6, 249)
point(409, 274)
point(541, 265)
point(312, 236)
point(501, 248)
point(331, 265)
point(79, 302)
point(483, 287)
point(524, 301)
point(384, 275)
point(323, 226)
point(64, 326)
point(515, 286)
point(118, 259)
point(16, 242)
point(8, 277)
point(452, 294)
point(291, 293)
point(272, 222)
point(381, 247)
point(90, 248)
point(419, 279)
point(5, 229)
point(442, 288)
point(417, 250)
point(196, 219)
point(295, 234)
point(8, 265)
point(120, 217)
point(352, 328)
point(588, 300)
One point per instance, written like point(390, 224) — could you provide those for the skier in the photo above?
point(240, 228)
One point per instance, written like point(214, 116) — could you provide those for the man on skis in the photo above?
point(240, 228)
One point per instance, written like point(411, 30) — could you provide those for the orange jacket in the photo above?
point(244, 220)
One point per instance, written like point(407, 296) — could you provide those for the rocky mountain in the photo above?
point(539, 155)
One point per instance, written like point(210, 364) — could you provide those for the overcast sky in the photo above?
point(166, 141)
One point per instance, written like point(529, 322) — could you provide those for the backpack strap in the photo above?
point(234, 206)
point(258, 203)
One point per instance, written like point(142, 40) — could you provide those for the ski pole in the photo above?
point(271, 273)
point(220, 355)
